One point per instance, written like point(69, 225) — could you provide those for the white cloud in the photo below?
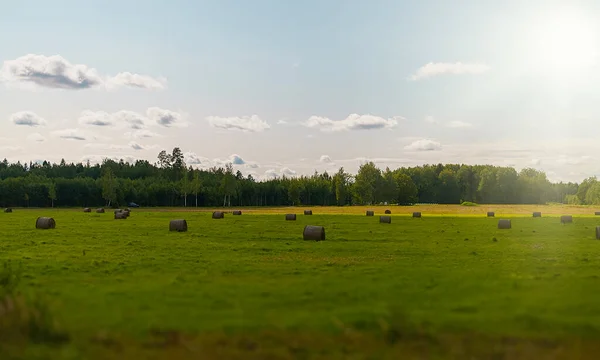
point(251, 165)
point(135, 81)
point(71, 134)
point(56, 72)
point(244, 123)
point(37, 137)
point(166, 118)
point(281, 122)
point(236, 160)
point(325, 159)
point(569, 160)
point(130, 119)
point(49, 71)
point(536, 161)
point(27, 118)
point(96, 118)
point(430, 119)
point(10, 148)
point(274, 174)
point(352, 122)
point(141, 134)
point(424, 145)
point(434, 69)
point(459, 124)
point(192, 158)
point(98, 159)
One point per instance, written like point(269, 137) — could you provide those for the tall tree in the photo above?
point(196, 185)
point(109, 186)
point(52, 192)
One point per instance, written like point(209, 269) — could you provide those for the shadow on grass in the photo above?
point(24, 320)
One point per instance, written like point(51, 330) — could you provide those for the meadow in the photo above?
point(449, 285)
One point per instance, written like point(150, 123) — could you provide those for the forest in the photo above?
point(170, 182)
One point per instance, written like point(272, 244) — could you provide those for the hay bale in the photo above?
point(417, 214)
point(385, 219)
point(307, 212)
point(566, 219)
point(8, 210)
point(127, 209)
point(537, 214)
point(45, 223)
point(290, 217)
point(120, 215)
point(597, 213)
point(218, 215)
point(388, 211)
point(312, 232)
point(237, 212)
point(370, 213)
point(490, 214)
point(597, 232)
point(87, 210)
point(126, 212)
point(179, 225)
point(504, 224)
point(118, 211)
point(100, 211)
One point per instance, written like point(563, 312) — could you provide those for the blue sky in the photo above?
point(282, 87)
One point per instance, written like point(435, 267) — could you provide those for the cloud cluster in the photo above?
point(27, 118)
point(192, 158)
point(435, 69)
point(352, 122)
point(424, 145)
point(133, 120)
point(56, 72)
point(244, 123)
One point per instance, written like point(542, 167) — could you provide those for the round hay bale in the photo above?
point(385, 219)
point(312, 232)
point(370, 213)
point(118, 211)
point(8, 210)
point(417, 214)
point(388, 211)
point(127, 209)
point(126, 212)
point(290, 217)
point(237, 212)
point(504, 224)
point(179, 225)
point(100, 210)
point(218, 215)
point(120, 215)
point(307, 212)
point(87, 210)
point(45, 223)
point(597, 213)
point(537, 214)
point(490, 214)
point(597, 232)
point(566, 219)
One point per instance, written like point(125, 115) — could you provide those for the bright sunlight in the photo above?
point(563, 41)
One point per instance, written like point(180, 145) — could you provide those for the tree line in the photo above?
point(170, 182)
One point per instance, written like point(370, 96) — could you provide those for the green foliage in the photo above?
point(468, 203)
point(164, 184)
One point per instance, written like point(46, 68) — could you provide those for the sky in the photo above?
point(289, 87)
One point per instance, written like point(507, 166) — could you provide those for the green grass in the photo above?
point(252, 277)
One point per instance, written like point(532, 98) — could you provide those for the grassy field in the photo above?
point(449, 285)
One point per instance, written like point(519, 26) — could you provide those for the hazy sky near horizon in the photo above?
point(290, 87)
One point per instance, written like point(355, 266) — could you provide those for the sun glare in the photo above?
point(563, 41)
